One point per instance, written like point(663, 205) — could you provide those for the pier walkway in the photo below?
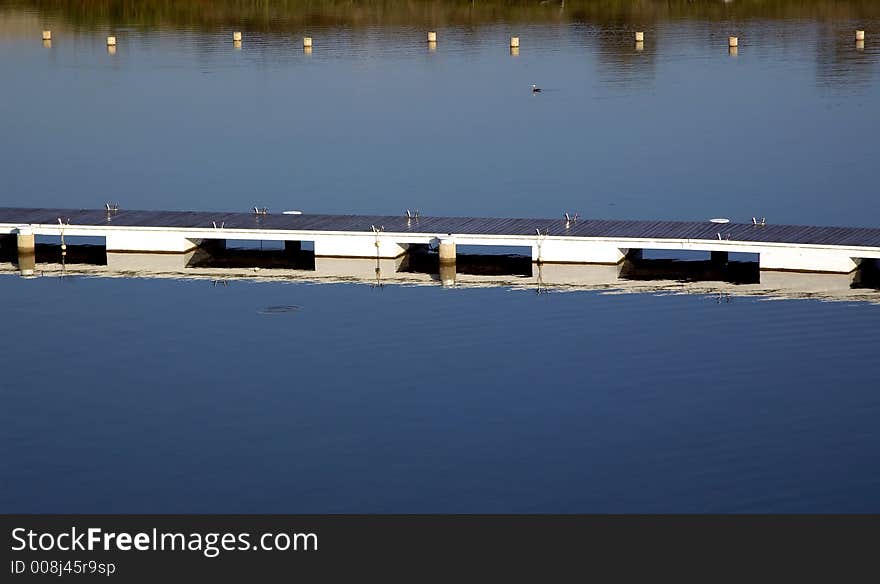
point(779, 247)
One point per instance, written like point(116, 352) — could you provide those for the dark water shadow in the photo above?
point(426, 262)
point(734, 272)
point(277, 259)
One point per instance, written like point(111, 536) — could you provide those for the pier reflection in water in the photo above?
point(422, 267)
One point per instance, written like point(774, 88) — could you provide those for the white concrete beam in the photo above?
point(577, 252)
point(358, 246)
point(807, 260)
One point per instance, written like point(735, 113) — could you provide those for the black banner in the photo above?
point(139, 548)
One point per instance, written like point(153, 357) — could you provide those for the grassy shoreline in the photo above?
point(275, 15)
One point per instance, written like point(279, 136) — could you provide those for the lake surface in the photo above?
point(182, 395)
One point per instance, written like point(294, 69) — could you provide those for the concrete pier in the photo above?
point(860, 35)
point(514, 42)
point(47, 35)
point(111, 41)
point(585, 241)
point(236, 36)
point(432, 37)
point(640, 37)
point(307, 42)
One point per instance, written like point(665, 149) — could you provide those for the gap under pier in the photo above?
point(580, 241)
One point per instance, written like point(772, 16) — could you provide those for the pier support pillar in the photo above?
point(358, 246)
point(808, 260)
point(577, 252)
point(27, 258)
point(447, 261)
point(150, 242)
point(447, 250)
point(26, 240)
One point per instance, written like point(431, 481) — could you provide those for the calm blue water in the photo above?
point(144, 395)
